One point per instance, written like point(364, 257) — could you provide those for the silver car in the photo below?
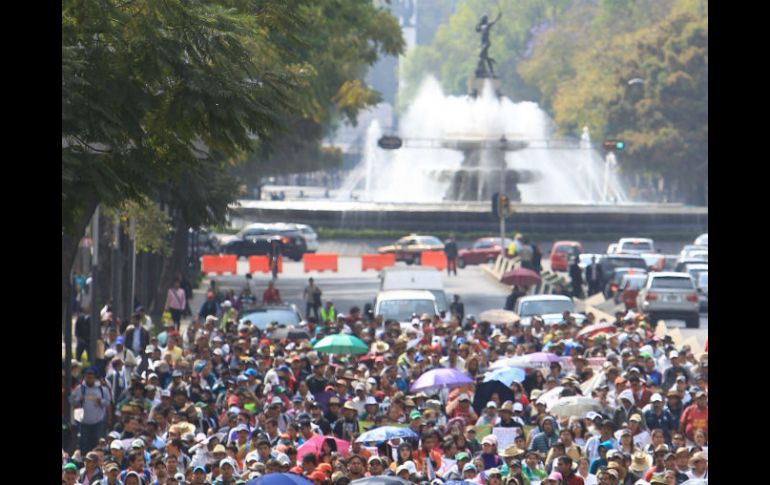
point(670, 295)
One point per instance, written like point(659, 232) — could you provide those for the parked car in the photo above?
point(683, 265)
point(635, 245)
point(561, 252)
point(629, 286)
point(311, 238)
point(702, 240)
point(613, 286)
point(670, 295)
point(550, 307)
point(262, 315)
point(401, 305)
point(689, 249)
point(484, 250)
point(702, 283)
point(655, 261)
point(410, 248)
point(610, 262)
point(255, 240)
point(612, 248)
point(416, 278)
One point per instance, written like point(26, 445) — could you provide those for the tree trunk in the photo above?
point(173, 264)
point(69, 248)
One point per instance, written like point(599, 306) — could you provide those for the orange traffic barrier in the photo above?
point(320, 262)
point(226, 263)
point(377, 261)
point(261, 264)
point(437, 259)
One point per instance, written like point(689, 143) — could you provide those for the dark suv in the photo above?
point(255, 240)
point(610, 262)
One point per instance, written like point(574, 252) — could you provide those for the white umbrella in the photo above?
point(550, 397)
point(574, 406)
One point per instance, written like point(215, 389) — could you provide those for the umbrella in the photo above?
point(499, 317)
point(341, 344)
point(441, 379)
point(517, 361)
point(280, 479)
point(506, 375)
point(485, 390)
point(315, 444)
point(291, 333)
point(551, 397)
point(520, 277)
point(538, 359)
point(385, 433)
point(577, 406)
point(596, 328)
point(380, 480)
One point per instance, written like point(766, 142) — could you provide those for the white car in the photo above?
point(549, 307)
point(702, 240)
point(400, 305)
point(635, 245)
point(670, 295)
point(416, 278)
point(308, 234)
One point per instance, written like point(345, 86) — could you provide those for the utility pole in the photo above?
point(133, 263)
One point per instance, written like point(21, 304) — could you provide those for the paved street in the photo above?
point(350, 286)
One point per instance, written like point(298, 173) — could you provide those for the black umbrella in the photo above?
point(380, 480)
point(484, 392)
point(291, 333)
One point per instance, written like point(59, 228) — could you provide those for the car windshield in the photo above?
point(637, 246)
point(263, 316)
point(609, 264)
point(541, 307)
point(671, 283)
point(563, 248)
point(402, 310)
point(621, 272)
point(633, 282)
point(431, 241)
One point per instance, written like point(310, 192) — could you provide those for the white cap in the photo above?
point(165, 393)
point(463, 397)
point(627, 394)
point(673, 354)
point(218, 352)
point(409, 466)
point(252, 456)
point(372, 381)
point(227, 304)
point(370, 400)
point(228, 461)
point(116, 445)
point(492, 404)
point(149, 349)
point(656, 397)
point(518, 406)
point(593, 415)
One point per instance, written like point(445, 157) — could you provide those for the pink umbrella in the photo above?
point(520, 277)
point(315, 445)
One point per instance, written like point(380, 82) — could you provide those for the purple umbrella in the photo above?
point(541, 358)
point(441, 379)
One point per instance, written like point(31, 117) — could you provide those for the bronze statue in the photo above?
point(486, 63)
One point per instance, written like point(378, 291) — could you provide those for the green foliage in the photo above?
point(152, 224)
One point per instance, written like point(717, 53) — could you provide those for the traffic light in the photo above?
point(614, 145)
point(501, 205)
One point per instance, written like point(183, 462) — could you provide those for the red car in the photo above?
point(484, 250)
point(561, 252)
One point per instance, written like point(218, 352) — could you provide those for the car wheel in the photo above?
point(409, 262)
point(693, 322)
point(460, 263)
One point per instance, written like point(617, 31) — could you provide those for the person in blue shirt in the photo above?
point(657, 417)
point(651, 373)
point(604, 447)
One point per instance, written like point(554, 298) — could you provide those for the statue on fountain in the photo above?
point(485, 68)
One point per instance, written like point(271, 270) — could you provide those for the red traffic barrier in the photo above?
point(261, 264)
point(226, 263)
point(320, 262)
point(437, 259)
point(377, 261)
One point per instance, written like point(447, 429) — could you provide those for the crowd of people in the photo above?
point(220, 401)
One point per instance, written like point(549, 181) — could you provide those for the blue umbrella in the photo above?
point(506, 375)
point(280, 479)
point(385, 433)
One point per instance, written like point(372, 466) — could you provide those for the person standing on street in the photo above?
point(271, 295)
point(312, 296)
point(457, 308)
point(576, 276)
point(450, 249)
point(328, 313)
point(176, 302)
point(94, 398)
point(594, 277)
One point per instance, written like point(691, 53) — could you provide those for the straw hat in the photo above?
point(641, 462)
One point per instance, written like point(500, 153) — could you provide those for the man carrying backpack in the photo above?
point(94, 398)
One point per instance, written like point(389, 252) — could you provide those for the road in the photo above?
point(352, 287)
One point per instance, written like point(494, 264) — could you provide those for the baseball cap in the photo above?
point(71, 466)
point(492, 404)
point(656, 398)
point(116, 445)
point(199, 469)
point(228, 461)
point(469, 467)
point(415, 414)
point(462, 456)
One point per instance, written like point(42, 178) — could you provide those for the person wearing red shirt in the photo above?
point(271, 294)
point(569, 477)
point(695, 417)
point(461, 408)
point(640, 391)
